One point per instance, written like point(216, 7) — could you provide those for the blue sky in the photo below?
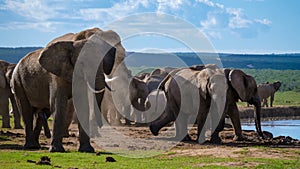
point(240, 26)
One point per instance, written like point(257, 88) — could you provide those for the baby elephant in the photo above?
point(266, 90)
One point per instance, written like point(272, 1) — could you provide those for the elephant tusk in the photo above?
point(93, 90)
point(107, 79)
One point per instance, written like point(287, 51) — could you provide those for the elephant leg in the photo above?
point(266, 102)
point(26, 111)
point(58, 107)
point(27, 114)
point(127, 119)
point(38, 126)
point(84, 140)
point(181, 126)
point(5, 112)
point(44, 119)
point(234, 115)
point(201, 122)
point(114, 117)
point(70, 116)
point(271, 100)
point(215, 136)
point(16, 113)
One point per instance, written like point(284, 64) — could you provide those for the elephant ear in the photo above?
point(238, 81)
point(109, 59)
point(56, 58)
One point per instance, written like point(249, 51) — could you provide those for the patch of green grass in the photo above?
point(18, 159)
point(288, 98)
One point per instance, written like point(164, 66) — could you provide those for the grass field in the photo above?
point(18, 159)
point(288, 98)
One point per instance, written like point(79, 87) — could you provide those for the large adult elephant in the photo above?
point(266, 90)
point(43, 80)
point(240, 86)
point(6, 70)
point(190, 93)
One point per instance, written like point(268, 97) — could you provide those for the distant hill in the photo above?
point(249, 61)
point(134, 59)
point(13, 55)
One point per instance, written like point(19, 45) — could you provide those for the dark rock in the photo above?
point(110, 159)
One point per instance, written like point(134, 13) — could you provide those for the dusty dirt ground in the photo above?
point(13, 139)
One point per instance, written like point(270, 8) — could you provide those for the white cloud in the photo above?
point(164, 5)
point(41, 26)
point(237, 19)
point(118, 10)
point(264, 21)
point(211, 17)
point(31, 9)
point(210, 22)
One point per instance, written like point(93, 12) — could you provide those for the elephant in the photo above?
point(43, 80)
point(240, 86)
point(265, 90)
point(138, 93)
point(190, 93)
point(147, 95)
point(6, 70)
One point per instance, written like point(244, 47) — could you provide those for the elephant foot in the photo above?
point(139, 124)
point(87, 148)
point(187, 138)
point(65, 135)
point(215, 140)
point(127, 122)
point(48, 134)
point(56, 148)
point(238, 138)
point(153, 130)
point(32, 146)
point(6, 126)
point(18, 127)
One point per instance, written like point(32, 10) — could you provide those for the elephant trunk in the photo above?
point(257, 104)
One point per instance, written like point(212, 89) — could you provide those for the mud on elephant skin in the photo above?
point(6, 70)
point(43, 80)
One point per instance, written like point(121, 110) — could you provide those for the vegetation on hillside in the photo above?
point(290, 79)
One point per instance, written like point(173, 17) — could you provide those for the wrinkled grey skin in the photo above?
point(208, 83)
point(240, 86)
point(6, 70)
point(43, 80)
point(267, 90)
point(111, 108)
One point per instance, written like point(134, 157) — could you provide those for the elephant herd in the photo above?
point(42, 84)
